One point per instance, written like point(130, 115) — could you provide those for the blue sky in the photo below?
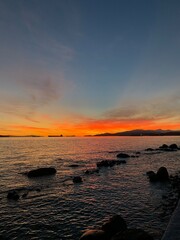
point(87, 61)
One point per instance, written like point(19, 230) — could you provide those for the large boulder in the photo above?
point(132, 234)
point(123, 155)
point(162, 174)
point(41, 172)
point(94, 235)
point(114, 225)
point(173, 146)
point(164, 146)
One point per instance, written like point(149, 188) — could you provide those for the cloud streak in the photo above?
point(163, 107)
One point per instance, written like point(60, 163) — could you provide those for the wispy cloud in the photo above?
point(32, 95)
point(162, 107)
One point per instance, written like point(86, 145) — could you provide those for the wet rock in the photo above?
point(114, 225)
point(152, 176)
point(73, 165)
point(149, 149)
point(149, 173)
point(173, 146)
point(105, 163)
point(77, 179)
point(109, 163)
point(41, 172)
point(94, 235)
point(91, 171)
point(122, 161)
point(13, 195)
point(164, 146)
point(169, 150)
point(132, 234)
point(123, 155)
point(162, 174)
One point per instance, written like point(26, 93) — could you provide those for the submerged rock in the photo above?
point(122, 161)
point(123, 155)
point(77, 179)
point(94, 235)
point(105, 163)
point(109, 163)
point(149, 149)
point(41, 172)
point(73, 165)
point(25, 195)
point(114, 225)
point(13, 195)
point(132, 234)
point(91, 171)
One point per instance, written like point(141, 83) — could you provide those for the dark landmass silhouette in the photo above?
point(19, 136)
point(141, 132)
point(55, 135)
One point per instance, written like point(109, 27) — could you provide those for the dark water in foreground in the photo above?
point(58, 209)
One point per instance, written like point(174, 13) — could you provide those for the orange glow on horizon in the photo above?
point(89, 127)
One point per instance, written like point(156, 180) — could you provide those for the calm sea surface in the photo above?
point(55, 208)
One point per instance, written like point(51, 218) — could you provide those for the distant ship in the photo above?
point(55, 135)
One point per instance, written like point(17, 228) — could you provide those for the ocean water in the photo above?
point(55, 208)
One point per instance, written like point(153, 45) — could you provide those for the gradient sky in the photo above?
point(89, 66)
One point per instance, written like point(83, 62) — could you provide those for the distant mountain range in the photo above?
point(141, 132)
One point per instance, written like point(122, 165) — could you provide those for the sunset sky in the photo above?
point(89, 66)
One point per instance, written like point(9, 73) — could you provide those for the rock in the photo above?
point(91, 171)
point(138, 152)
point(149, 149)
point(162, 174)
point(114, 225)
point(164, 146)
point(94, 235)
point(173, 146)
point(149, 173)
point(74, 165)
point(123, 155)
point(109, 163)
point(41, 172)
point(105, 163)
point(132, 234)
point(122, 161)
point(152, 176)
point(77, 179)
point(169, 149)
point(13, 195)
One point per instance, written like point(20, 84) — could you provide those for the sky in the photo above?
point(82, 67)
